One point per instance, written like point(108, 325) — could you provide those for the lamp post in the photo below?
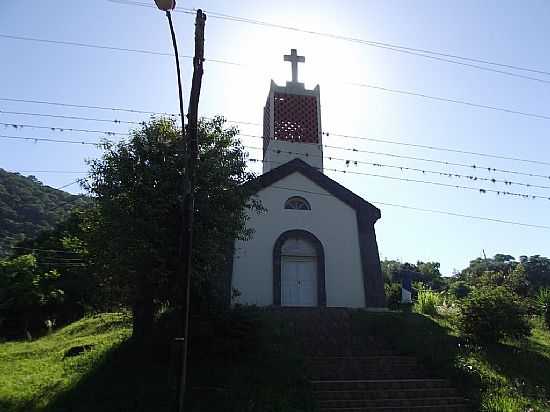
point(166, 6)
point(187, 220)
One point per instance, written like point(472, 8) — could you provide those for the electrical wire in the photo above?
point(425, 53)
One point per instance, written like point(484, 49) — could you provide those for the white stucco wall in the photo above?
point(277, 153)
point(333, 222)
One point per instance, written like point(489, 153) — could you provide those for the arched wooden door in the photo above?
point(299, 275)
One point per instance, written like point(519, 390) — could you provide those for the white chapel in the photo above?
point(316, 244)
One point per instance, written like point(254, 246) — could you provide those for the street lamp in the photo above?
point(187, 216)
point(166, 5)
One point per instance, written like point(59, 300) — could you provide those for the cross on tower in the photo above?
point(294, 59)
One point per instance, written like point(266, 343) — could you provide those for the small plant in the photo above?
point(427, 302)
point(489, 315)
point(502, 403)
point(543, 301)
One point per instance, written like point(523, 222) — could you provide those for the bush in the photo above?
point(459, 289)
point(489, 315)
point(501, 402)
point(393, 295)
point(427, 302)
point(543, 301)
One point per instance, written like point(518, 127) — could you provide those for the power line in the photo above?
point(447, 163)
point(425, 53)
point(413, 169)
point(438, 148)
point(421, 159)
point(422, 95)
point(62, 129)
point(328, 134)
point(43, 139)
point(69, 184)
point(112, 48)
point(449, 100)
point(427, 182)
point(58, 116)
point(442, 212)
point(82, 106)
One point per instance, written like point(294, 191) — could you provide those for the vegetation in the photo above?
point(242, 361)
point(489, 315)
point(427, 302)
point(543, 300)
point(134, 230)
point(510, 374)
point(27, 207)
point(25, 290)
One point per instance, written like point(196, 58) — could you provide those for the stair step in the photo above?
point(406, 402)
point(384, 394)
point(378, 384)
point(459, 407)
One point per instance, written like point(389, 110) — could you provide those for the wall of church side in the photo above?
point(277, 154)
point(333, 222)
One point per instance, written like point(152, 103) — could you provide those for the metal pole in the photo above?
point(180, 93)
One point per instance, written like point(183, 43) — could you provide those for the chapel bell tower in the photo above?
point(292, 122)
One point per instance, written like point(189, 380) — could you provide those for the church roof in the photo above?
point(361, 206)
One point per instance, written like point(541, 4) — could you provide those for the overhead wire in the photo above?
point(425, 53)
point(442, 212)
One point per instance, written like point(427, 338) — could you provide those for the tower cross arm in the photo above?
point(294, 59)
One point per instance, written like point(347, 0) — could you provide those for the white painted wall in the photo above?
point(277, 153)
point(333, 222)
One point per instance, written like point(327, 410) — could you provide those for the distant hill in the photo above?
point(28, 207)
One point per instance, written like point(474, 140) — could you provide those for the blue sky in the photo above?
point(503, 31)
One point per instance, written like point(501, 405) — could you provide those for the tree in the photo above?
point(135, 229)
point(25, 290)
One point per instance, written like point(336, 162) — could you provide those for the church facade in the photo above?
point(315, 246)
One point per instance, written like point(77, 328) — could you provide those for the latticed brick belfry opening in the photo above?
point(295, 118)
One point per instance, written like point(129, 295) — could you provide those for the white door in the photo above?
point(298, 281)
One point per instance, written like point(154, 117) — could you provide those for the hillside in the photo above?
point(28, 207)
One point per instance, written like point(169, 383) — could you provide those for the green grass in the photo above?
point(511, 376)
point(34, 374)
point(244, 364)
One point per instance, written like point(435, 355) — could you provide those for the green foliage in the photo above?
point(543, 301)
point(393, 295)
point(25, 290)
point(503, 402)
point(489, 315)
point(134, 231)
point(427, 302)
point(27, 207)
point(459, 289)
point(426, 272)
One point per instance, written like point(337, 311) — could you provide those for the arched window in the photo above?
point(297, 203)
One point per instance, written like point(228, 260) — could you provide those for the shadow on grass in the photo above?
point(122, 380)
point(528, 370)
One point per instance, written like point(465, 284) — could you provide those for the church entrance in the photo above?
point(298, 273)
point(298, 270)
point(298, 281)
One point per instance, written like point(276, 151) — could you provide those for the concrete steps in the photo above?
point(387, 395)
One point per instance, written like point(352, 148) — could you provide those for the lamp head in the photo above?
point(166, 5)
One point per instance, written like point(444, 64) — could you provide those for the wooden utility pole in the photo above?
point(189, 200)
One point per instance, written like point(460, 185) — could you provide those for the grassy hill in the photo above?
point(28, 207)
point(250, 368)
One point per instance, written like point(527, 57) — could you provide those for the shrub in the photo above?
point(459, 289)
point(543, 301)
point(490, 314)
point(393, 295)
point(427, 302)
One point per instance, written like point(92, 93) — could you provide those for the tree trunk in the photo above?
point(143, 312)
